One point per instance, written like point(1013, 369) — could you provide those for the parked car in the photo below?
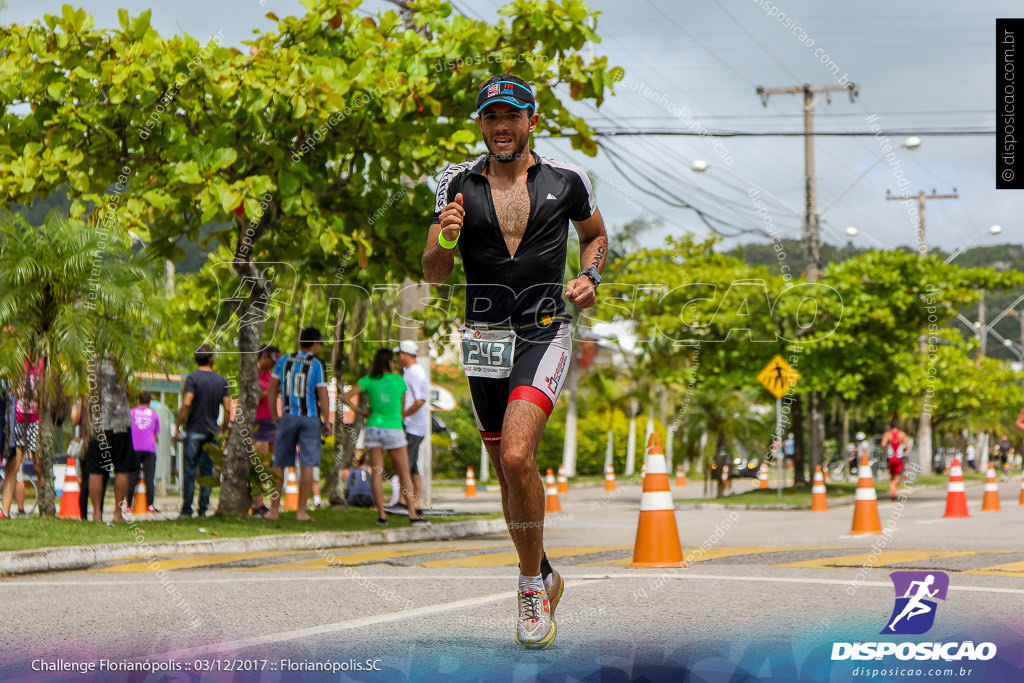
point(739, 465)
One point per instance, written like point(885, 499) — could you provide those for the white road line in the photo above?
point(296, 634)
point(621, 574)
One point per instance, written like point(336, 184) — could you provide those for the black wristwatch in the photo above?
point(593, 274)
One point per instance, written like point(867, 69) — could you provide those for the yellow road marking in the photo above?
point(332, 558)
point(510, 558)
point(884, 559)
point(1015, 569)
point(695, 554)
point(190, 562)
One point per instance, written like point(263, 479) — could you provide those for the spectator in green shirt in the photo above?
point(384, 429)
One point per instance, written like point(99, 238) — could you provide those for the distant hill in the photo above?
point(195, 255)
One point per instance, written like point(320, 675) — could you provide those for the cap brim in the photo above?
point(507, 100)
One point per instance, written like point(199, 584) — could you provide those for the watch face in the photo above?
point(593, 275)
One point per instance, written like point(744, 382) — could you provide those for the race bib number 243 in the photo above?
point(487, 353)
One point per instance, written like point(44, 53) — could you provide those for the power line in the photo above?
point(674, 200)
point(836, 115)
point(653, 132)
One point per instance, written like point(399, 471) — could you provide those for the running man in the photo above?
point(914, 606)
point(514, 207)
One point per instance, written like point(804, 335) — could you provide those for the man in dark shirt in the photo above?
point(206, 392)
point(511, 209)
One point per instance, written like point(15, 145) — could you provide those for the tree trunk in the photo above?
point(44, 454)
point(634, 408)
point(569, 442)
point(816, 429)
point(235, 496)
point(797, 414)
point(335, 486)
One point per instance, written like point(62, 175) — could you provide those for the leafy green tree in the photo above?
point(69, 291)
point(721, 420)
point(314, 144)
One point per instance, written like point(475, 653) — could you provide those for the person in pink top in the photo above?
point(26, 429)
point(145, 428)
point(266, 427)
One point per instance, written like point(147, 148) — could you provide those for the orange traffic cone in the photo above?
point(139, 507)
point(609, 480)
point(657, 537)
point(291, 491)
point(956, 498)
point(725, 478)
point(563, 481)
point(865, 507)
point(70, 498)
point(552, 504)
point(470, 483)
point(680, 476)
point(1022, 490)
point(990, 503)
point(762, 475)
point(819, 499)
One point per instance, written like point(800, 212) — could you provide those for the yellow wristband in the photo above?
point(445, 243)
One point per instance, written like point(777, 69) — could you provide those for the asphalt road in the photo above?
point(767, 595)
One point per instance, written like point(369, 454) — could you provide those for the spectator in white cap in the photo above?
point(416, 412)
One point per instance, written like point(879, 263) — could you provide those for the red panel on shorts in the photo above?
point(534, 396)
point(491, 437)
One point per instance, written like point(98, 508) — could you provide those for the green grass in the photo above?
point(36, 532)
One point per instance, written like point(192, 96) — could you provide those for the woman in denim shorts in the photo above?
point(384, 429)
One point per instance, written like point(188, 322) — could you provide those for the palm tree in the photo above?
point(69, 291)
point(718, 419)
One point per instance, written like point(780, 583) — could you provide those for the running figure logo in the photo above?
point(914, 612)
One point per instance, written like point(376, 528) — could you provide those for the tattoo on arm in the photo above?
point(600, 254)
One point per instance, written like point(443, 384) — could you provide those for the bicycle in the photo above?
point(837, 468)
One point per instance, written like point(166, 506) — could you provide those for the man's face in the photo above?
point(506, 130)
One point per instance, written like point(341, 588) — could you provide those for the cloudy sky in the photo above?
point(924, 69)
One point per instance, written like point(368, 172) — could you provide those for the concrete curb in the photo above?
point(84, 557)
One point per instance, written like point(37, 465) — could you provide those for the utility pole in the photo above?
point(811, 95)
point(922, 235)
point(924, 418)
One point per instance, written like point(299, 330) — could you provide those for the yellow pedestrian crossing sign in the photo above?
point(778, 376)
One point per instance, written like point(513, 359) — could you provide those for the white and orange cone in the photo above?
point(990, 503)
point(1022, 490)
point(552, 504)
point(470, 483)
point(819, 497)
point(657, 537)
point(563, 481)
point(865, 507)
point(609, 478)
point(680, 476)
point(140, 506)
point(725, 478)
point(762, 476)
point(291, 491)
point(956, 497)
point(70, 497)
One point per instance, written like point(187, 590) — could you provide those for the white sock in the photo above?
point(535, 583)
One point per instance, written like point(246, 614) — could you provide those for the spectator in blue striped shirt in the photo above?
point(304, 417)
